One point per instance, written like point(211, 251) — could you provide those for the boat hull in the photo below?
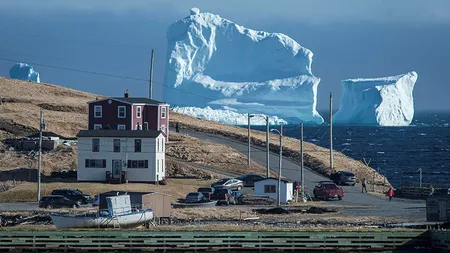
point(62, 221)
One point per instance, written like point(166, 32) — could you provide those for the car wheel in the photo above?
point(353, 184)
point(340, 197)
point(239, 188)
point(49, 206)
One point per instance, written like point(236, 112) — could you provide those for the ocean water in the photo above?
point(397, 152)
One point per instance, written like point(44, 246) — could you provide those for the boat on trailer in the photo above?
point(119, 214)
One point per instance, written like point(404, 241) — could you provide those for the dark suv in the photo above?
point(343, 177)
point(54, 201)
point(223, 195)
point(75, 195)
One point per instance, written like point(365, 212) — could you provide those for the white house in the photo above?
point(268, 187)
point(140, 154)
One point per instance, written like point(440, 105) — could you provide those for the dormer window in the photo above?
point(97, 111)
point(121, 112)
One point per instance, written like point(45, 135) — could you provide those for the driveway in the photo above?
point(368, 204)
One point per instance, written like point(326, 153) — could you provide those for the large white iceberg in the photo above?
point(227, 116)
point(214, 62)
point(386, 101)
point(23, 71)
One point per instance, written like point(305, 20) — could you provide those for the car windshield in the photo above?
point(349, 174)
point(329, 186)
point(193, 194)
point(222, 181)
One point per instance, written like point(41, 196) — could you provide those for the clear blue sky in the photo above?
point(349, 39)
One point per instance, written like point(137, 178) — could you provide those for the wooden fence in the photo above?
point(232, 241)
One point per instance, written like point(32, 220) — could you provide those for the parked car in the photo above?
point(343, 177)
point(444, 192)
point(195, 197)
point(55, 201)
point(232, 183)
point(250, 179)
point(328, 190)
point(207, 192)
point(96, 200)
point(224, 195)
point(75, 195)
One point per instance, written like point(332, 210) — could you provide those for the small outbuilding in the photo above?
point(268, 187)
point(160, 203)
point(438, 208)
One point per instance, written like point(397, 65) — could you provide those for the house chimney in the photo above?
point(126, 95)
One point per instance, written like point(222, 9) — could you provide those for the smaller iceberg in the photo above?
point(23, 71)
point(227, 116)
point(385, 101)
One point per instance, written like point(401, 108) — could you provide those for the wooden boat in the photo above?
point(119, 214)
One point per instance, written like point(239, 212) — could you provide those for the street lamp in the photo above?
point(280, 160)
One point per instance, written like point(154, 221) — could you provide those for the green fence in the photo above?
point(134, 241)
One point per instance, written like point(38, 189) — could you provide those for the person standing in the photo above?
point(177, 128)
point(364, 186)
point(390, 193)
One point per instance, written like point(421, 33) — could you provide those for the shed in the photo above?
point(268, 188)
point(438, 208)
point(160, 203)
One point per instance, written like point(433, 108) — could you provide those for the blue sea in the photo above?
point(397, 152)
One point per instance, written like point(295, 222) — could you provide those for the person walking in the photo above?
point(364, 186)
point(177, 128)
point(390, 193)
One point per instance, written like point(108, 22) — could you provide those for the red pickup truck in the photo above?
point(328, 190)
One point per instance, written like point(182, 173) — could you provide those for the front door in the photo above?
point(116, 168)
point(442, 210)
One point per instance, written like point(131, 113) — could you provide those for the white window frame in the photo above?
point(124, 111)
point(95, 111)
point(98, 126)
point(163, 112)
point(138, 112)
point(121, 125)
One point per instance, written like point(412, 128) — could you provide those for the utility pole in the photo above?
point(420, 175)
point(302, 175)
point(151, 75)
point(267, 146)
point(331, 131)
point(41, 126)
point(249, 116)
point(279, 169)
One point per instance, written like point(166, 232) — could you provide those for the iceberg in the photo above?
point(213, 62)
point(23, 71)
point(386, 101)
point(227, 116)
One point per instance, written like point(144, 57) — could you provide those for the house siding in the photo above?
point(151, 116)
point(148, 152)
point(137, 120)
point(110, 115)
point(164, 121)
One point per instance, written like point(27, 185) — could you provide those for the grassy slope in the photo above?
point(65, 113)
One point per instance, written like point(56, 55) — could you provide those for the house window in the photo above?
point(121, 127)
point(97, 111)
point(95, 145)
point(121, 113)
point(163, 112)
point(116, 145)
point(137, 145)
point(138, 164)
point(95, 163)
point(138, 112)
point(97, 126)
point(270, 188)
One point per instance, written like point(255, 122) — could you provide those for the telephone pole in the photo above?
point(41, 126)
point(151, 75)
point(302, 175)
point(331, 131)
point(267, 146)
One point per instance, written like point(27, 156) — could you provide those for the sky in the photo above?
point(349, 39)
